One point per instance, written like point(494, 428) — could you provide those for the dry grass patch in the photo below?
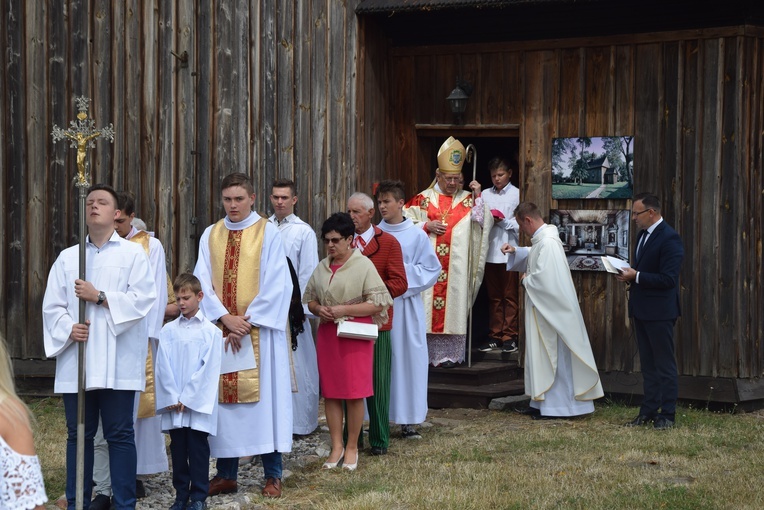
point(501, 460)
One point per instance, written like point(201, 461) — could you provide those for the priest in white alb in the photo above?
point(560, 372)
point(247, 289)
point(456, 225)
point(408, 338)
point(302, 249)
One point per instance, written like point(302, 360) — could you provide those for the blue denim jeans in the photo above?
point(115, 408)
point(229, 468)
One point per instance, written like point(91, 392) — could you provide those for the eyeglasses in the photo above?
point(640, 212)
point(332, 240)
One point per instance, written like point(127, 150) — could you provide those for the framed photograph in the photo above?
point(593, 167)
point(587, 236)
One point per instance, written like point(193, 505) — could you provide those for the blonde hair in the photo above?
point(8, 395)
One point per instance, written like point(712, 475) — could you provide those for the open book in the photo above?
point(614, 265)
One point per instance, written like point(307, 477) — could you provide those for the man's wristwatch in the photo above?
point(101, 297)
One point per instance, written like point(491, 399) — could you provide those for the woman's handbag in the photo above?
point(360, 328)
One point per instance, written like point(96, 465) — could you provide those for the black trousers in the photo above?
point(655, 340)
point(190, 454)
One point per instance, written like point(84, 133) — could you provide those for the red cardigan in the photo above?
point(385, 252)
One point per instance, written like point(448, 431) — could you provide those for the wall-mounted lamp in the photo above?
point(458, 99)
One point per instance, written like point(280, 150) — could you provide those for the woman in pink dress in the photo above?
point(345, 284)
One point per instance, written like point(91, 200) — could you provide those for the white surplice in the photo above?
point(560, 372)
point(301, 247)
point(188, 371)
point(408, 338)
point(264, 426)
point(149, 441)
point(115, 354)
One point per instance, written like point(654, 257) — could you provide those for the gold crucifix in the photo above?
point(82, 134)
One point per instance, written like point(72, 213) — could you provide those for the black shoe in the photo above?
point(100, 502)
point(378, 450)
point(528, 411)
point(409, 432)
point(196, 505)
point(544, 417)
point(509, 347)
point(662, 423)
point(448, 364)
point(140, 489)
point(639, 421)
point(488, 345)
point(178, 505)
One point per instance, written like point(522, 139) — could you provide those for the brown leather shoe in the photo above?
point(222, 486)
point(272, 488)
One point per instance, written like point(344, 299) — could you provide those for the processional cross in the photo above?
point(82, 135)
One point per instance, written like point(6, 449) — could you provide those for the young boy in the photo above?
point(187, 373)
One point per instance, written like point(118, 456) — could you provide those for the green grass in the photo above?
point(570, 191)
point(480, 459)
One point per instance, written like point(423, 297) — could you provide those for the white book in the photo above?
point(614, 265)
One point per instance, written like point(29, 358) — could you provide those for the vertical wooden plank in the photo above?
point(687, 328)
point(4, 155)
point(622, 344)
point(59, 180)
point(425, 79)
point(318, 118)
point(239, 99)
point(571, 108)
point(33, 208)
point(101, 108)
point(148, 116)
point(285, 103)
point(599, 101)
point(257, 86)
point(349, 139)
point(671, 154)
point(16, 188)
point(131, 134)
point(117, 76)
point(159, 207)
point(595, 288)
point(222, 100)
point(270, 93)
point(303, 79)
point(340, 183)
point(183, 186)
point(757, 198)
point(514, 78)
point(542, 75)
point(207, 190)
point(414, 175)
point(497, 86)
point(709, 176)
point(732, 182)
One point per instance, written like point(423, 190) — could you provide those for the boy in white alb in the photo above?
point(187, 372)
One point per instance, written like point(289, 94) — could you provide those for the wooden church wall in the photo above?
point(693, 101)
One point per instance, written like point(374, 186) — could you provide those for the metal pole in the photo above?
point(471, 155)
point(80, 485)
point(81, 136)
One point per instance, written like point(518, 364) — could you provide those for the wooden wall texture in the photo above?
point(305, 89)
point(694, 102)
point(270, 89)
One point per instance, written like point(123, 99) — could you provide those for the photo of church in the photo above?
point(588, 235)
point(593, 167)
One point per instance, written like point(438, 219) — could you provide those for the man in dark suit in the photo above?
point(654, 305)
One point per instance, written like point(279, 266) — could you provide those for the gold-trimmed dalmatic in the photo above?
point(235, 267)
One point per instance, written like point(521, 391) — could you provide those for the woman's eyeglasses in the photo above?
point(332, 240)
